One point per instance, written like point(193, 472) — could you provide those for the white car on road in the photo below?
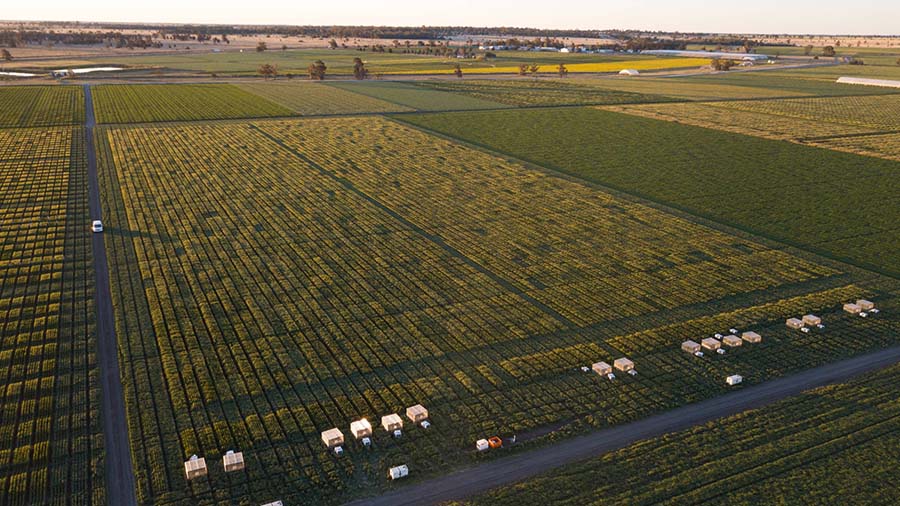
point(96, 226)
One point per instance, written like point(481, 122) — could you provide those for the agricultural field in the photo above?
point(879, 113)
point(320, 99)
point(837, 437)
point(684, 88)
point(31, 106)
point(418, 98)
point(827, 201)
point(51, 446)
point(145, 103)
point(538, 92)
point(724, 116)
point(811, 81)
point(881, 145)
point(316, 271)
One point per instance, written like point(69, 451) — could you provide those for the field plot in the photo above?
point(179, 102)
point(821, 447)
point(720, 116)
point(813, 81)
point(815, 198)
point(683, 88)
point(880, 112)
point(279, 279)
point(50, 435)
point(882, 145)
point(528, 92)
point(27, 106)
point(420, 99)
point(314, 98)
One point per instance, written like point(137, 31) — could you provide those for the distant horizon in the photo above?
point(766, 17)
point(518, 27)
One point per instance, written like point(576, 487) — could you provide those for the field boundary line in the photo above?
point(120, 486)
point(734, 229)
point(436, 239)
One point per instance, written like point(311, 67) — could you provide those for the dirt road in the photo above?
point(119, 473)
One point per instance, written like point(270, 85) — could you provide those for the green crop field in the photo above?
point(531, 92)
point(322, 270)
point(878, 113)
point(826, 446)
point(51, 447)
point(316, 98)
point(418, 98)
point(828, 201)
point(179, 102)
point(28, 106)
point(815, 81)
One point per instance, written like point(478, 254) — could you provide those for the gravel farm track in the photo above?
point(519, 467)
point(120, 489)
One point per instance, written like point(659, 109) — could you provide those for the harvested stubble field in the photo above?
point(417, 98)
point(316, 98)
point(31, 106)
point(880, 112)
point(881, 145)
point(122, 103)
point(531, 92)
point(282, 278)
point(50, 436)
point(837, 437)
point(824, 200)
point(683, 88)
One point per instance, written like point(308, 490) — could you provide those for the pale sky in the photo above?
point(760, 16)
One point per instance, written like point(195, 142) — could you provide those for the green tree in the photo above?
point(828, 51)
point(317, 70)
point(332, 44)
point(7, 56)
point(523, 69)
point(457, 71)
point(268, 70)
point(359, 69)
point(534, 68)
point(563, 71)
point(261, 47)
point(807, 50)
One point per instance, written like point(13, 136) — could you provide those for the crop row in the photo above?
point(417, 97)
point(530, 92)
point(882, 145)
point(28, 106)
point(826, 445)
point(122, 103)
point(50, 442)
point(824, 200)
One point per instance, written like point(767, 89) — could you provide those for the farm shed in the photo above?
point(732, 341)
point(865, 305)
point(629, 72)
point(333, 437)
point(417, 413)
point(361, 428)
point(811, 319)
point(602, 368)
point(794, 323)
point(711, 344)
point(195, 467)
point(734, 379)
point(392, 422)
point(233, 461)
point(751, 337)
point(852, 308)
point(623, 364)
point(690, 346)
